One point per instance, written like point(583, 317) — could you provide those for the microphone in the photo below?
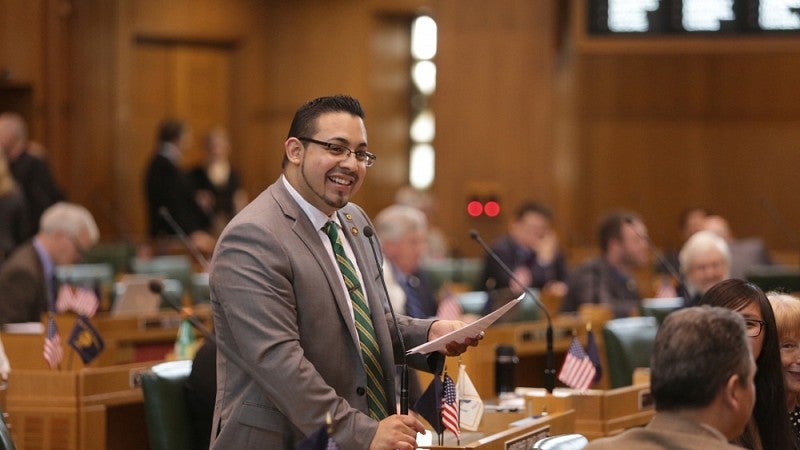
point(157, 287)
point(369, 233)
point(164, 212)
point(549, 370)
point(659, 256)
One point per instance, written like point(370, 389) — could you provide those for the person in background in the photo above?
point(291, 277)
point(746, 254)
point(704, 261)
point(769, 426)
point(169, 190)
point(437, 247)
point(217, 185)
point(31, 172)
point(701, 378)
point(14, 227)
point(67, 231)
point(787, 318)
point(609, 278)
point(531, 251)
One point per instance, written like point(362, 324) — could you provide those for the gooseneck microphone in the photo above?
point(369, 233)
point(549, 370)
point(157, 287)
point(164, 212)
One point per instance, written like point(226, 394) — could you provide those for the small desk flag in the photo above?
point(578, 370)
point(86, 340)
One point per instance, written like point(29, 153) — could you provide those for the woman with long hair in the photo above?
point(769, 428)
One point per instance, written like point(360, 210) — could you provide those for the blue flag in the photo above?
point(86, 340)
point(429, 405)
point(594, 356)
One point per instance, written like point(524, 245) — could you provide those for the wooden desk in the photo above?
point(87, 409)
point(496, 434)
point(528, 338)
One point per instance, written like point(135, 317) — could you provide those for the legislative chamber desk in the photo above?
point(496, 434)
point(80, 407)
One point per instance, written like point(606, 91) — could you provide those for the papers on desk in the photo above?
point(462, 334)
point(24, 328)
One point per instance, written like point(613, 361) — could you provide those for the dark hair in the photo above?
point(305, 118)
point(170, 130)
point(769, 413)
point(691, 210)
point(695, 352)
point(611, 226)
point(533, 207)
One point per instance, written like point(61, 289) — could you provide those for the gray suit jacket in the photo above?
point(278, 303)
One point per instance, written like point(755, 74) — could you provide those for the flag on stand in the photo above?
point(79, 300)
point(578, 370)
point(469, 402)
point(449, 307)
point(53, 353)
point(429, 405)
point(86, 340)
point(594, 356)
point(450, 406)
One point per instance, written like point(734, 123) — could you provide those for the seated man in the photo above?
point(66, 232)
point(705, 261)
point(702, 382)
point(609, 278)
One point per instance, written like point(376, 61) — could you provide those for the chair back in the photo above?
point(629, 344)
point(561, 442)
point(660, 307)
point(169, 425)
point(176, 267)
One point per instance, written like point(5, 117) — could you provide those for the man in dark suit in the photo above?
point(168, 187)
point(26, 279)
point(702, 383)
point(31, 172)
point(292, 274)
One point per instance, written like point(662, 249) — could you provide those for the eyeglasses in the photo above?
point(363, 157)
point(754, 327)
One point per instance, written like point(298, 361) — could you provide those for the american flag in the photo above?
point(578, 371)
point(449, 307)
point(80, 300)
point(52, 344)
point(450, 406)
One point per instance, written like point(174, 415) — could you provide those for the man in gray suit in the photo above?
point(281, 302)
point(702, 381)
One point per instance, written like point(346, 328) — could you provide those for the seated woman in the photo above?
point(787, 316)
point(769, 428)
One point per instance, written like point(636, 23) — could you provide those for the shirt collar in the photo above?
point(317, 217)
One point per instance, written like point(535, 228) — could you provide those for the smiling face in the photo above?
point(328, 181)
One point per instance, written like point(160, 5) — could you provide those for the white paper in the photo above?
point(462, 334)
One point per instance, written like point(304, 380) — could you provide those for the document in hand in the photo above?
point(462, 334)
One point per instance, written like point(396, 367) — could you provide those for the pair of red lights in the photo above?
point(488, 208)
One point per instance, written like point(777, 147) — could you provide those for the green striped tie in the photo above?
point(376, 397)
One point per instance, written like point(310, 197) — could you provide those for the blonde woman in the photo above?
point(787, 317)
point(14, 228)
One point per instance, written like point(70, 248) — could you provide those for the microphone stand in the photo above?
point(369, 233)
point(549, 371)
point(164, 212)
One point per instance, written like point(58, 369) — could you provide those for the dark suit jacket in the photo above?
point(168, 186)
point(596, 281)
point(23, 291)
point(277, 301)
point(36, 180)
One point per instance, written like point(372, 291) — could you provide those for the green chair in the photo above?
point(176, 267)
point(629, 344)
point(561, 442)
point(200, 290)
point(660, 307)
point(169, 425)
point(118, 254)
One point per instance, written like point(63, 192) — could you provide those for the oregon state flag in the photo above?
point(86, 340)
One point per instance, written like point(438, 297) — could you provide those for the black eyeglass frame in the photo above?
point(367, 158)
point(760, 323)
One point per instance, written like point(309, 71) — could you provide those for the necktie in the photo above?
point(370, 353)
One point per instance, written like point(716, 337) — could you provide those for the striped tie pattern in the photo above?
point(376, 396)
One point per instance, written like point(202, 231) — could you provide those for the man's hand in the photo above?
point(397, 432)
point(442, 327)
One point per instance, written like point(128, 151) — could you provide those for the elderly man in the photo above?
point(66, 232)
point(702, 375)
point(705, 260)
